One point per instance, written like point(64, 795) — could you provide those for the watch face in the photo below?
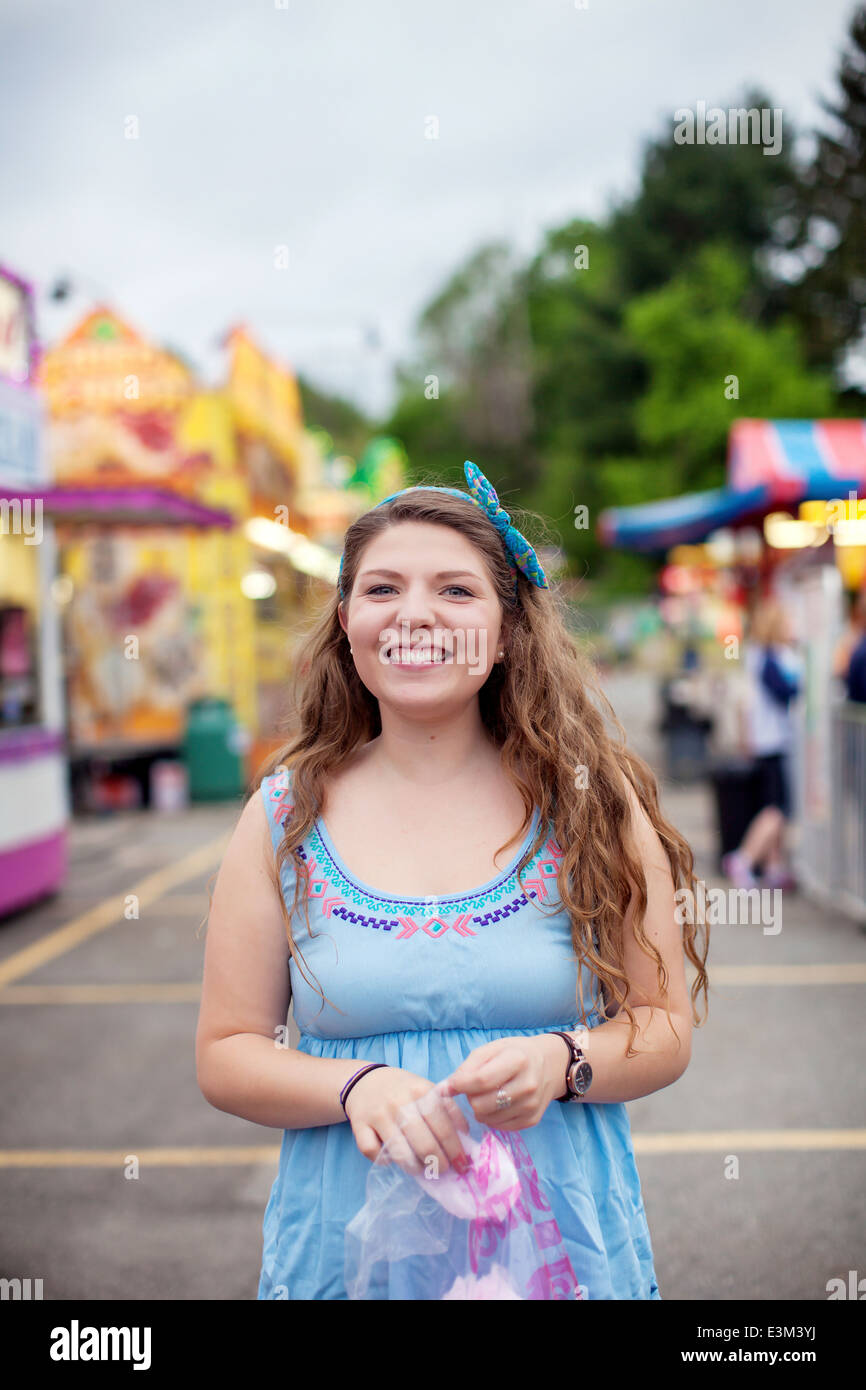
point(580, 1077)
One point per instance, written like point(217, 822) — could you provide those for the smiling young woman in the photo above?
point(375, 842)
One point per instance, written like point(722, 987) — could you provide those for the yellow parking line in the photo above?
point(189, 991)
point(723, 1141)
point(134, 993)
point(752, 1140)
point(815, 974)
point(180, 905)
point(153, 1158)
point(109, 912)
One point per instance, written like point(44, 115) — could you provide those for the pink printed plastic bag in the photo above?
point(486, 1234)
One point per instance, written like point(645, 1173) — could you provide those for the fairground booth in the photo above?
point(33, 793)
point(146, 508)
point(299, 504)
point(791, 519)
point(193, 525)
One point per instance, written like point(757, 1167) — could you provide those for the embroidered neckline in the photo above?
point(329, 850)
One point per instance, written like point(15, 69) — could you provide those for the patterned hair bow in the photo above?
point(483, 494)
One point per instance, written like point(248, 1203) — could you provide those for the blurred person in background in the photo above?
point(849, 659)
point(767, 734)
point(849, 667)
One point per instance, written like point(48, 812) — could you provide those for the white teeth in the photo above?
point(396, 654)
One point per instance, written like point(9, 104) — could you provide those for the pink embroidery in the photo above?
point(435, 926)
point(278, 796)
point(546, 870)
point(319, 886)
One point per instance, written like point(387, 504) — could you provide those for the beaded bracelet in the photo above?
point(370, 1066)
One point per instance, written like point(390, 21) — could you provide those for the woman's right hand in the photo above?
point(395, 1107)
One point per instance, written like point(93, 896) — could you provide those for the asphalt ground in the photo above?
point(118, 1180)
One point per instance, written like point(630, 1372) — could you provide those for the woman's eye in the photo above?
point(377, 588)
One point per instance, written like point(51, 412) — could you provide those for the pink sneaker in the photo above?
point(779, 878)
point(736, 870)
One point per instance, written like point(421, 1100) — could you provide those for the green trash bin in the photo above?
point(213, 747)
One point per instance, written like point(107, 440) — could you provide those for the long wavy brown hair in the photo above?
point(561, 746)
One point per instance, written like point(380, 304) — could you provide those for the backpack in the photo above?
point(856, 678)
point(779, 685)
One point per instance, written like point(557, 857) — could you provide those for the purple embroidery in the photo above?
point(334, 904)
point(500, 913)
point(349, 914)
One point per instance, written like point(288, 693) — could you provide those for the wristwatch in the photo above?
point(578, 1073)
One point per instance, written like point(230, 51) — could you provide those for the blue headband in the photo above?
point(483, 495)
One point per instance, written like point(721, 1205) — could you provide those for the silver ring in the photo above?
point(502, 1100)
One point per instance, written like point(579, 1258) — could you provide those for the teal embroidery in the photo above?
point(339, 896)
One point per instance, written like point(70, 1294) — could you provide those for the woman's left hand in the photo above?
point(523, 1068)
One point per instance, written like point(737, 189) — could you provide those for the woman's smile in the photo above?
point(421, 656)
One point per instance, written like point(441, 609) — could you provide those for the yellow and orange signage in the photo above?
point(264, 396)
point(104, 365)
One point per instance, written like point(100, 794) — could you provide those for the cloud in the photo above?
point(304, 127)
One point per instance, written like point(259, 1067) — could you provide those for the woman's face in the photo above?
point(423, 619)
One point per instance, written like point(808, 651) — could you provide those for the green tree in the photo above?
point(348, 427)
point(467, 391)
point(587, 376)
point(709, 365)
point(595, 375)
point(828, 240)
point(691, 194)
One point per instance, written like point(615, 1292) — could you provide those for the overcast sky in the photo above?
point(301, 124)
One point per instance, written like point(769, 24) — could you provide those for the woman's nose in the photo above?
point(416, 608)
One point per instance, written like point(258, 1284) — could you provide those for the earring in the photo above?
point(500, 655)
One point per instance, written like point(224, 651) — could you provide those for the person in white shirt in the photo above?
point(773, 677)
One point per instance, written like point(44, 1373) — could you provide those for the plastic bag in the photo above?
point(486, 1234)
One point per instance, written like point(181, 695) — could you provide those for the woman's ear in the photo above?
point(341, 615)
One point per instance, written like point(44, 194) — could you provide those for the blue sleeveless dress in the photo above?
point(421, 985)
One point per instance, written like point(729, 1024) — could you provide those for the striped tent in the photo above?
point(771, 464)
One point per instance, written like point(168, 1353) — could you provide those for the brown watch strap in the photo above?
point(574, 1055)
